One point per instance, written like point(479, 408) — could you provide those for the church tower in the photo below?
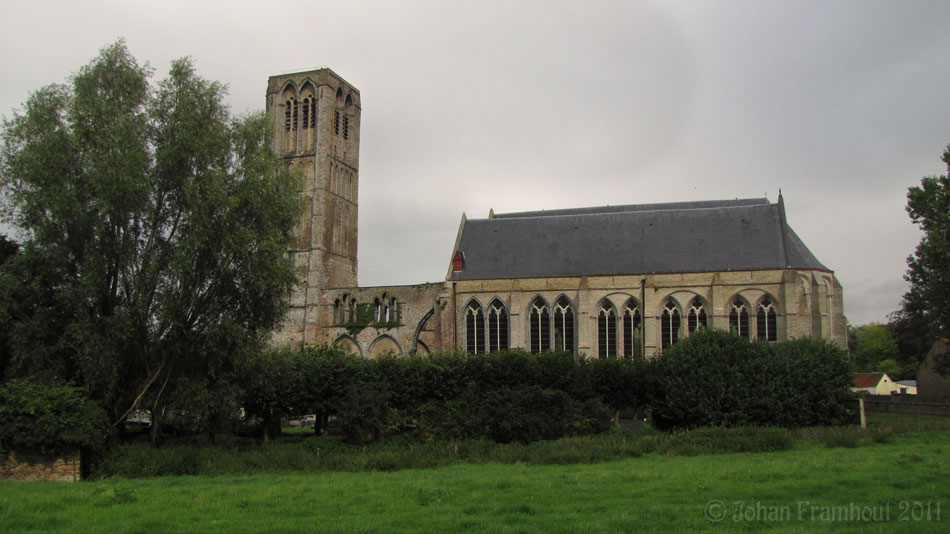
point(316, 120)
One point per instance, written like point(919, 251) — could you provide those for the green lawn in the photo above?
point(906, 482)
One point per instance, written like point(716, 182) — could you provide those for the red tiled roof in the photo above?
point(867, 380)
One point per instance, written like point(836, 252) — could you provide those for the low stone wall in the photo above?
point(27, 467)
point(904, 404)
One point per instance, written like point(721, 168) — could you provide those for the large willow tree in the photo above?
point(153, 228)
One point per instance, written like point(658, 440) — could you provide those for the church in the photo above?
point(613, 281)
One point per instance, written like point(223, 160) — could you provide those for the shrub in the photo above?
point(714, 378)
point(718, 440)
point(49, 416)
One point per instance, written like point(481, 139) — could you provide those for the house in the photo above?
point(874, 383)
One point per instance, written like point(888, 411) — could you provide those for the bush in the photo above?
point(507, 415)
point(718, 440)
point(49, 416)
point(714, 378)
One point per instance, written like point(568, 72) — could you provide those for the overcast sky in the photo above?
point(525, 105)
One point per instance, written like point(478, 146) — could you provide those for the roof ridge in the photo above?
point(636, 208)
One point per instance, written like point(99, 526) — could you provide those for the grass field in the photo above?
point(899, 486)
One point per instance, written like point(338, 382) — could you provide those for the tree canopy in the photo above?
point(153, 227)
point(927, 304)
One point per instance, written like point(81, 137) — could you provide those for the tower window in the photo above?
point(336, 122)
point(607, 331)
point(765, 321)
point(670, 324)
point(739, 319)
point(289, 114)
point(306, 113)
point(346, 126)
point(294, 119)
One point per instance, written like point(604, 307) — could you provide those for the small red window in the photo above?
point(458, 261)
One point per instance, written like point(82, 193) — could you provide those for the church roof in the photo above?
point(680, 237)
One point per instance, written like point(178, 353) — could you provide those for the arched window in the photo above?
point(739, 318)
point(346, 116)
point(337, 312)
point(670, 324)
point(696, 318)
point(563, 325)
point(290, 107)
point(632, 331)
point(474, 328)
point(497, 326)
point(539, 336)
point(351, 311)
point(290, 119)
point(306, 113)
point(338, 112)
point(607, 331)
point(377, 310)
point(765, 321)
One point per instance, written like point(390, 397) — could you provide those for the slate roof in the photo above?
point(680, 237)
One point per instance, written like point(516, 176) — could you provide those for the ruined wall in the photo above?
point(26, 467)
point(372, 320)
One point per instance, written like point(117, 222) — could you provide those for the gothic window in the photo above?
point(377, 310)
point(670, 324)
point(765, 321)
point(739, 318)
point(474, 328)
point(337, 312)
point(288, 114)
point(497, 326)
point(306, 113)
point(338, 112)
point(388, 312)
point(351, 311)
point(696, 318)
point(607, 331)
point(563, 325)
point(290, 120)
point(632, 331)
point(348, 112)
point(539, 322)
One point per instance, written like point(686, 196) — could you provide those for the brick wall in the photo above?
point(27, 467)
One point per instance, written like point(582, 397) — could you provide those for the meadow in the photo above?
point(894, 484)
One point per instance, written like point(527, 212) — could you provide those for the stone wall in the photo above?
point(906, 404)
point(26, 467)
point(405, 321)
point(808, 303)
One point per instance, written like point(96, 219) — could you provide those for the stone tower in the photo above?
point(316, 119)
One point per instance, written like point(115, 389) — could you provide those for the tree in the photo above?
point(153, 227)
point(928, 299)
point(873, 344)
